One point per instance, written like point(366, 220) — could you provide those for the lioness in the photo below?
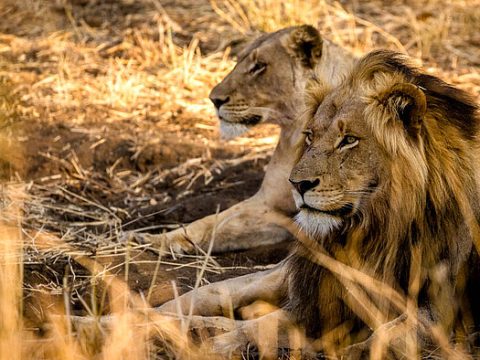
point(266, 86)
point(387, 185)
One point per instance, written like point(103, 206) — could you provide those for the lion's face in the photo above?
point(340, 169)
point(354, 141)
point(265, 85)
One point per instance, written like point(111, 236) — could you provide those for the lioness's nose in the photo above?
point(219, 100)
point(304, 185)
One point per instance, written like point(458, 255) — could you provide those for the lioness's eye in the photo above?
point(308, 136)
point(348, 141)
point(257, 68)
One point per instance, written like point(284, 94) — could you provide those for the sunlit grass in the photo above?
point(55, 72)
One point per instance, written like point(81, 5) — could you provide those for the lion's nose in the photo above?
point(219, 101)
point(304, 185)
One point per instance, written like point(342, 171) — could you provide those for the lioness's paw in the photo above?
point(172, 242)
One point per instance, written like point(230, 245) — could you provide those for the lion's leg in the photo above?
point(193, 322)
point(268, 333)
point(220, 298)
point(224, 297)
point(243, 226)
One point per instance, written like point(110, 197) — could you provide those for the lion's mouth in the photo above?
point(252, 120)
point(344, 211)
point(247, 121)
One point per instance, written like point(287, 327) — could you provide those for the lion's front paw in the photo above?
point(175, 241)
point(227, 344)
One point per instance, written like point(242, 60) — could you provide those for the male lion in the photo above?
point(387, 188)
point(266, 86)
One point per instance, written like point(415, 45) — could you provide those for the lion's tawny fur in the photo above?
point(418, 154)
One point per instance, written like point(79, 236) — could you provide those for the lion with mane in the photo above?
point(388, 182)
point(387, 189)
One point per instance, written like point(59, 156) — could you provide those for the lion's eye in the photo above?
point(257, 68)
point(348, 141)
point(308, 137)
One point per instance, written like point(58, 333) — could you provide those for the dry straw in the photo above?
point(55, 67)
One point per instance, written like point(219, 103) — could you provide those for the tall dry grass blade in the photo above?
point(11, 274)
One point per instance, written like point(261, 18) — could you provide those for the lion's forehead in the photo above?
point(340, 114)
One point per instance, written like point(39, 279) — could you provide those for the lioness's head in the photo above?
point(386, 141)
point(267, 82)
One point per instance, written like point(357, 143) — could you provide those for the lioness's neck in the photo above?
point(333, 66)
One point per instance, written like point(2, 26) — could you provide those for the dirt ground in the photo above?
point(162, 206)
point(149, 174)
point(110, 127)
point(166, 202)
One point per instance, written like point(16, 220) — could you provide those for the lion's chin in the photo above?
point(317, 224)
point(229, 130)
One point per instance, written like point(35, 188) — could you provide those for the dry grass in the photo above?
point(135, 71)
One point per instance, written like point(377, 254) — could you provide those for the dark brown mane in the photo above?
point(455, 105)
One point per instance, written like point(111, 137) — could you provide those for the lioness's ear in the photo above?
point(408, 104)
point(305, 44)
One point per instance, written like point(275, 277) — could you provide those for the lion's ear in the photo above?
point(305, 44)
point(408, 104)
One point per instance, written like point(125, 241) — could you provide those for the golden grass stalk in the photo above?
point(10, 273)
